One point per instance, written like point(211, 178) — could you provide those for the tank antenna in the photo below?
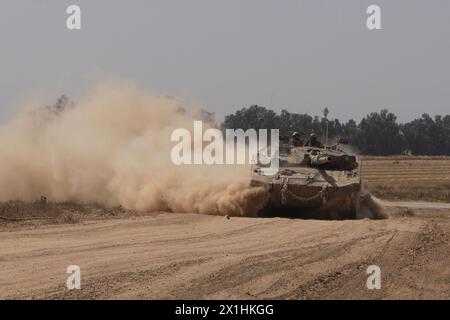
point(325, 115)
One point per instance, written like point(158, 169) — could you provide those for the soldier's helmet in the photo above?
point(313, 135)
point(296, 135)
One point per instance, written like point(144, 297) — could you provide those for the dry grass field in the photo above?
point(408, 177)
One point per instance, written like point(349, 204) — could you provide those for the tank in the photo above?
point(312, 182)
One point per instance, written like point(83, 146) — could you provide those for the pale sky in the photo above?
point(298, 55)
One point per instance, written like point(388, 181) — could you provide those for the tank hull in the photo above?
point(325, 196)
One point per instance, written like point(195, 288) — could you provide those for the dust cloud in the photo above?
point(371, 207)
point(113, 148)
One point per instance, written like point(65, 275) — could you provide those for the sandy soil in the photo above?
point(189, 256)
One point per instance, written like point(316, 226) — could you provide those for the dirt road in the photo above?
point(184, 256)
point(417, 204)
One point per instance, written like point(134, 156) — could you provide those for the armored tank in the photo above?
point(312, 182)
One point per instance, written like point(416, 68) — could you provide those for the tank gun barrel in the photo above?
point(318, 160)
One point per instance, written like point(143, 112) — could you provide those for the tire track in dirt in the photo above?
point(403, 261)
point(186, 256)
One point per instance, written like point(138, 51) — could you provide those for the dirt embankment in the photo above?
point(185, 256)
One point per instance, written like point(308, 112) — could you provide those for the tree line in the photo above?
point(378, 133)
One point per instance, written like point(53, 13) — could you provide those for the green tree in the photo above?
point(379, 134)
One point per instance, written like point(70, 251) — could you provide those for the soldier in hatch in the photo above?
point(313, 142)
point(296, 140)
